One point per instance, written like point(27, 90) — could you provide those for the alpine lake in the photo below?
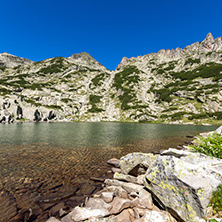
point(45, 163)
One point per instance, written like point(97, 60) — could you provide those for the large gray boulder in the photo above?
point(184, 182)
point(136, 163)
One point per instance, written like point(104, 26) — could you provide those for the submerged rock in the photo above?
point(114, 162)
point(8, 207)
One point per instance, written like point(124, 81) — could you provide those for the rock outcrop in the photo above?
point(8, 60)
point(184, 182)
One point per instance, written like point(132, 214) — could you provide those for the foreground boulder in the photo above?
point(183, 182)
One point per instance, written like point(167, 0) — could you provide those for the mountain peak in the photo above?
point(9, 60)
point(86, 59)
point(82, 55)
point(209, 37)
point(6, 54)
point(208, 43)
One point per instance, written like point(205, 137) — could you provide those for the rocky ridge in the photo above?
point(181, 85)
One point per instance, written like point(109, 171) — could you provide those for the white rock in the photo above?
point(53, 219)
point(83, 213)
point(155, 216)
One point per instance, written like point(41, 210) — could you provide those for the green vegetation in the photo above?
point(79, 73)
point(163, 95)
point(178, 115)
point(93, 100)
point(2, 68)
point(53, 107)
point(4, 91)
point(216, 115)
point(170, 67)
point(66, 100)
point(209, 70)
point(198, 116)
point(73, 89)
point(216, 200)
point(210, 145)
point(192, 61)
point(124, 81)
point(159, 71)
point(97, 81)
point(32, 102)
point(170, 109)
point(56, 65)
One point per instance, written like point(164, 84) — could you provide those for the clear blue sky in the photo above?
point(106, 29)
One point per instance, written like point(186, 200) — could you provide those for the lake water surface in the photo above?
point(39, 159)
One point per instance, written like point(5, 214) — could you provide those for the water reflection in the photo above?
point(92, 134)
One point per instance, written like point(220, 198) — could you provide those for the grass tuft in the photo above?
point(211, 145)
point(216, 201)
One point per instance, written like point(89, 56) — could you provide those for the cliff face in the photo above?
point(170, 85)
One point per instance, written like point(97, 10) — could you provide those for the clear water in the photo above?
point(33, 156)
point(76, 135)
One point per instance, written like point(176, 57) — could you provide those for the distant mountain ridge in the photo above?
point(8, 60)
point(181, 85)
point(209, 44)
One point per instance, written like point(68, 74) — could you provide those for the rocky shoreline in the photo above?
point(175, 185)
point(131, 190)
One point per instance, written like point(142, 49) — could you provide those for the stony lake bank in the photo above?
point(173, 185)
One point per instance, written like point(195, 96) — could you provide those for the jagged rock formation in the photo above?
point(181, 85)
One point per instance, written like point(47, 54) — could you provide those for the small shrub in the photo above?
point(216, 200)
point(217, 114)
point(94, 109)
point(97, 81)
point(198, 116)
point(178, 115)
point(93, 100)
point(211, 145)
point(208, 70)
point(2, 68)
point(192, 61)
point(163, 95)
point(170, 67)
point(66, 100)
point(53, 107)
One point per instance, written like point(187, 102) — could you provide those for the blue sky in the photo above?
point(108, 30)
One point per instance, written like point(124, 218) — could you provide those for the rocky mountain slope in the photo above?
point(181, 85)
